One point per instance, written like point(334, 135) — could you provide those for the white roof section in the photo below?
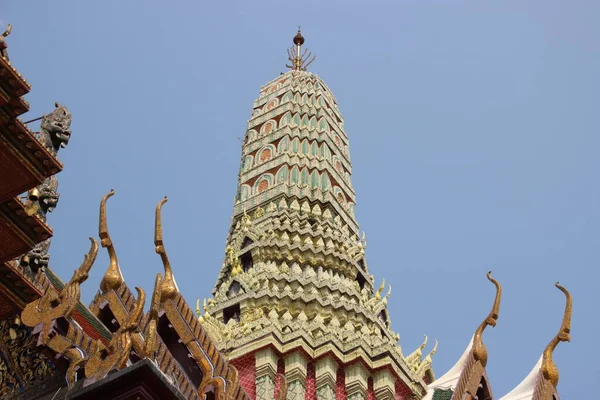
point(525, 389)
point(450, 378)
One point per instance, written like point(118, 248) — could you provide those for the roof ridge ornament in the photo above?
point(300, 60)
point(168, 286)
point(479, 349)
point(549, 369)
point(113, 278)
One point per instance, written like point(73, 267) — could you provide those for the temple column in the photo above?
point(266, 368)
point(325, 374)
point(384, 385)
point(357, 381)
point(295, 374)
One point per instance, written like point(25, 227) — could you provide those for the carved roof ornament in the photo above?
point(414, 358)
point(3, 44)
point(55, 130)
point(549, 369)
point(168, 287)
point(479, 349)
point(428, 361)
point(380, 290)
point(300, 61)
point(151, 344)
point(113, 278)
point(53, 305)
point(100, 364)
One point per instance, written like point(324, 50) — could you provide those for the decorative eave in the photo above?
point(16, 85)
point(19, 232)
point(142, 380)
point(16, 289)
point(24, 161)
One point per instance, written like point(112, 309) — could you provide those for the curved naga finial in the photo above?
point(414, 358)
point(427, 362)
point(113, 278)
point(7, 31)
point(549, 369)
point(168, 286)
point(378, 292)
point(479, 349)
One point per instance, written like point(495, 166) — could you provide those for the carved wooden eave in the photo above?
point(18, 288)
point(24, 160)
point(19, 232)
point(15, 85)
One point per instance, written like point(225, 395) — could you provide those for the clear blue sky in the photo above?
point(474, 140)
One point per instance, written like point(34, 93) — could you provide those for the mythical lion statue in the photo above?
point(55, 130)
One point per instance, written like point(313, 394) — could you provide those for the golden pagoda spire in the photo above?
point(113, 278)
point(549, 369)
point(479, 349)
point(168, 286)
point(300, 60)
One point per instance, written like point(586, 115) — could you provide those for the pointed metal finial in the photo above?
point(300, 60)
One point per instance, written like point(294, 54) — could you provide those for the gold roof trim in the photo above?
point(168, 288)
point(549, 369)
point(113, 278)
point(479, 350)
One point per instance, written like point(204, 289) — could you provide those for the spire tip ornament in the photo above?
point(300, 60)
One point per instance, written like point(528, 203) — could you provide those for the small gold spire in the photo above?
point(479, 349)
point(113, 278)
point(168, 286)
point(300, 61)
point(378, 292)
point(549, 369)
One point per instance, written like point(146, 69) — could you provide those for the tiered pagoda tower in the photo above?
point(294, 297)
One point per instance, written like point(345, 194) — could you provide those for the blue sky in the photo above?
point(473, 128)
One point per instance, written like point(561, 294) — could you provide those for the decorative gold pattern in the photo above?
point(53, 305)
point(101, 363)
point(113, 278)
point(151, 344)
point(479, 350)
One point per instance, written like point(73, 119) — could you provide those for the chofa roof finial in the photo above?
point(479, 349)
point(113, 278)
point(168, 286)
point(549, 369)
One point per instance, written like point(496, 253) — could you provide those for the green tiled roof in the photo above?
point(442, 394)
